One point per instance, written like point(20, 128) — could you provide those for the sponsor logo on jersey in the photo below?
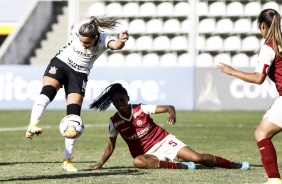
point(74, 65)
point(53, 70)
point(139, 122)
point(84, 54)
point(139, 134)
point(119, 123)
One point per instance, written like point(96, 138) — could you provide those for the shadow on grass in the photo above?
point(252, 165)
point(77, 175)
point(13, 163)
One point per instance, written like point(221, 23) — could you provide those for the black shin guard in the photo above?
point(73, 109)
point(49, 91)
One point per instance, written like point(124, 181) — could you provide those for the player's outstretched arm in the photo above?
point(107, 153)
point(119, 44)
point(167, 108)
point(256, 78)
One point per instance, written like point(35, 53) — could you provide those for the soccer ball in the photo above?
point(71, 126)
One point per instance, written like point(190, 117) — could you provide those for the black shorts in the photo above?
point(73, 81)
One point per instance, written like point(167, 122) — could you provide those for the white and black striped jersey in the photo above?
point(74, 54)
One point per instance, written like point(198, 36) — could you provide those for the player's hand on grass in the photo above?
point(96, 166)
point(171, 120)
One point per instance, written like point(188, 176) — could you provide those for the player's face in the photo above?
point(87, 42)
point(120, 101)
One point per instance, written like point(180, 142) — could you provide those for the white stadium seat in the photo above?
point(179, 43)
point(217, 9)
point(232, 43)
point(235, 9)
point(96, 9)
point(130, 44)
point(101, 61)
point(165, 9)
point(254, 60)
point(200, 43)
point(154, 26)
point(185, 24)
point(240, 60)
point(224, 26)
point(252, 9)
point(151, 59)
point(204, 60)
point(272, 5)
point(133, 60)
point(114, 9)
point(250, 43)
point(123, 25)
point(115, 59)
point(222, 58)
point(207, 25)
point(171, 26)
point(144, 43)
point(255, 28)
point(161, 43)
point(130, 9)
point(181, 9)
point(168, 60)
point(202, 8)
point(214, 43)
point(137, 26)
point(147, 9)
point(242, 26)
point(184, 60)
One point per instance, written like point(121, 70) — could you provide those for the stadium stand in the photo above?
point(225, 28)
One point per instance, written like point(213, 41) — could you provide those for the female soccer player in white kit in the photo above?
point(269, 64)
point(70, 68)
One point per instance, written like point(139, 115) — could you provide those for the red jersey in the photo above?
point(271, 64)
point(139, 131)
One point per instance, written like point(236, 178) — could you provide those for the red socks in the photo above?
point(167, 165)
point(268, 158)
point(221, 162)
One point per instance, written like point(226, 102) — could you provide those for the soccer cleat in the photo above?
point(68, 166)
point(33, 129)
point(274, 181)
point(245, 165)
point(186, 165)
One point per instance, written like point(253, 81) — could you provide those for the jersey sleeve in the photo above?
point(148, 109)
point(107, 38)
point(112, 131)
point(265, 59)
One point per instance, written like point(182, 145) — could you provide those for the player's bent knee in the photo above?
point(138, 162)
point(49, 91)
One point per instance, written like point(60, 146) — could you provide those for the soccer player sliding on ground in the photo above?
point(150, 145)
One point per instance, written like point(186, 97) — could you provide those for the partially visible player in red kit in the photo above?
point(150, 145)
point(269, 63)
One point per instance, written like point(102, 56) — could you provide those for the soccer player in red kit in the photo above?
point(150, 145)
point(269, 63)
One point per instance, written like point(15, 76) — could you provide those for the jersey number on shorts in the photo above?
point(172, 143)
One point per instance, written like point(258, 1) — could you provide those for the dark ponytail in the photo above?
point(104, 100)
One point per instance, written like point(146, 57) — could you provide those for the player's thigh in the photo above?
point(266, 129)
point(188, 154)
point(52, 82)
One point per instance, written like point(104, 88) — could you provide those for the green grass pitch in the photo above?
point(228, 134)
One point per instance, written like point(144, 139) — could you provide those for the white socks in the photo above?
point(69, 144)
point(38, 108)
